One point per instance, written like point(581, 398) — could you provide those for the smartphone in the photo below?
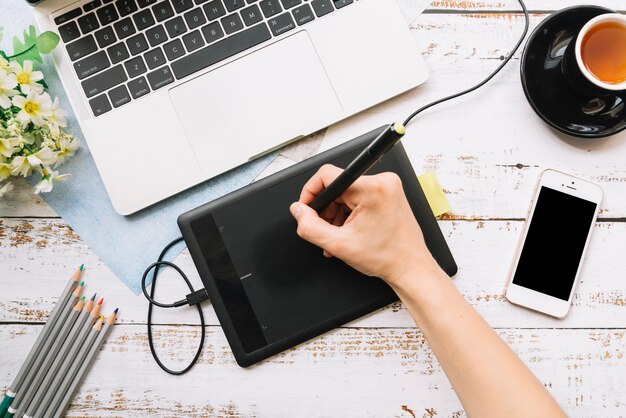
point(548, 259)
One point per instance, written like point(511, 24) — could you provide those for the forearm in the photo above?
point(488, 377)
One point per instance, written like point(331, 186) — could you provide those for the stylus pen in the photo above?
point(360, 165)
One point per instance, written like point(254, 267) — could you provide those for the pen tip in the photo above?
point(100, 302)
point(94, 296)
point(82, 267)
point(115, 311)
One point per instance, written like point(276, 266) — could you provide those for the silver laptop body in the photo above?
point(171, 93)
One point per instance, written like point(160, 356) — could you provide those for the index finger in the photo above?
point(320, 180)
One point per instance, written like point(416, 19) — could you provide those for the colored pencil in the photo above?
point(79, 349)
point(62, 306)
point(73, 321)
point(74, 340)
point(65, 393)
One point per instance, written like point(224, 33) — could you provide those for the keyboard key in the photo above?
point(154, 58)
point(214, 9)
point(135, 67)
point(200, 1)
point(341, 3)
point(195, 18)
point(105, 37)
point(303, 14)
point(107, 14)
point(175, 27)
point(88, 23)
point(118, 53)
point(69, 31)
point(137, 44)
point(119, 96)
point(104, 81)
point(271, 7)
point(138, 87)
point(193, 40)
point(162, 11)
point(232, 5)
point(161, 77)
point(67, 16)
point(212, 32)
point(145, 3)
point(182, 5)
point(232, 23)
point(288, 4)
point(221, 50)
point(251, 15)
point(156, 35)
point(91, 5)
point(126, 7)
point(281, 24)
point(143, 19)
point(174, 49)
point(124, 28)
point(322, 7)
point(91, 65)
point(100, 105)
point(82, 47)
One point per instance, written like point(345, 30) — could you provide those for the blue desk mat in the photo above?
point(127, 245)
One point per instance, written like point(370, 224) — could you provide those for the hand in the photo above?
point(371, 227)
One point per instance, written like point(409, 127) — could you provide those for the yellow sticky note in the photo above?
point(434, 193)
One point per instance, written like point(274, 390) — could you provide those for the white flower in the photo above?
point(46, 184)
point(7, 84)
point(68, 147)
point(46, 156)
point(57, 115)
point(8, 66)
point(6, 147)
point(23, 165)
point(34, 107)
point(5, 189)
point(28, 79)
point(5, 170)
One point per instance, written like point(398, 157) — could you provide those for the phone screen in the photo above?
point(554, 244)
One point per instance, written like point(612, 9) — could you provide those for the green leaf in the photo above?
point(26, 50)
point(47, 41)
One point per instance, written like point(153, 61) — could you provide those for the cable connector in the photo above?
point(197, 297)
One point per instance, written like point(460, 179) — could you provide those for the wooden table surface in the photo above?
point(487, 150)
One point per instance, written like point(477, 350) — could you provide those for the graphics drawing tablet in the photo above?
point(271, 290)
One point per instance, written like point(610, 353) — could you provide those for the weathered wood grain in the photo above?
point(39, 255)
point(488, 148)
point(345, 373)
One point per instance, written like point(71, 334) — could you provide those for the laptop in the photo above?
point(170, 93)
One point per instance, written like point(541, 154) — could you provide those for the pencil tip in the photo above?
point(115, 311)
point(82, 284)
point(101, 300)
point(83, 298)
point(82, 267)
point(94, 296)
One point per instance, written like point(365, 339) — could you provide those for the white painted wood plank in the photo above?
point(476, 143)
point(38, 255)
point(346, 373)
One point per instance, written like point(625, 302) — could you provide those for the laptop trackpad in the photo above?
point(256, 103)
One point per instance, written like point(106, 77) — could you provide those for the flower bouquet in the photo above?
point(31, 138)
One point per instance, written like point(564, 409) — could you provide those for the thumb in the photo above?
point(311, 227)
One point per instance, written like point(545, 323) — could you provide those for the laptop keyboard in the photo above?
point(124, 49)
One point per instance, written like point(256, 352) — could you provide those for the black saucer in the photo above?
point(551, 95)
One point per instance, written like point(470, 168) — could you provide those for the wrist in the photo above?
point(416, 276)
